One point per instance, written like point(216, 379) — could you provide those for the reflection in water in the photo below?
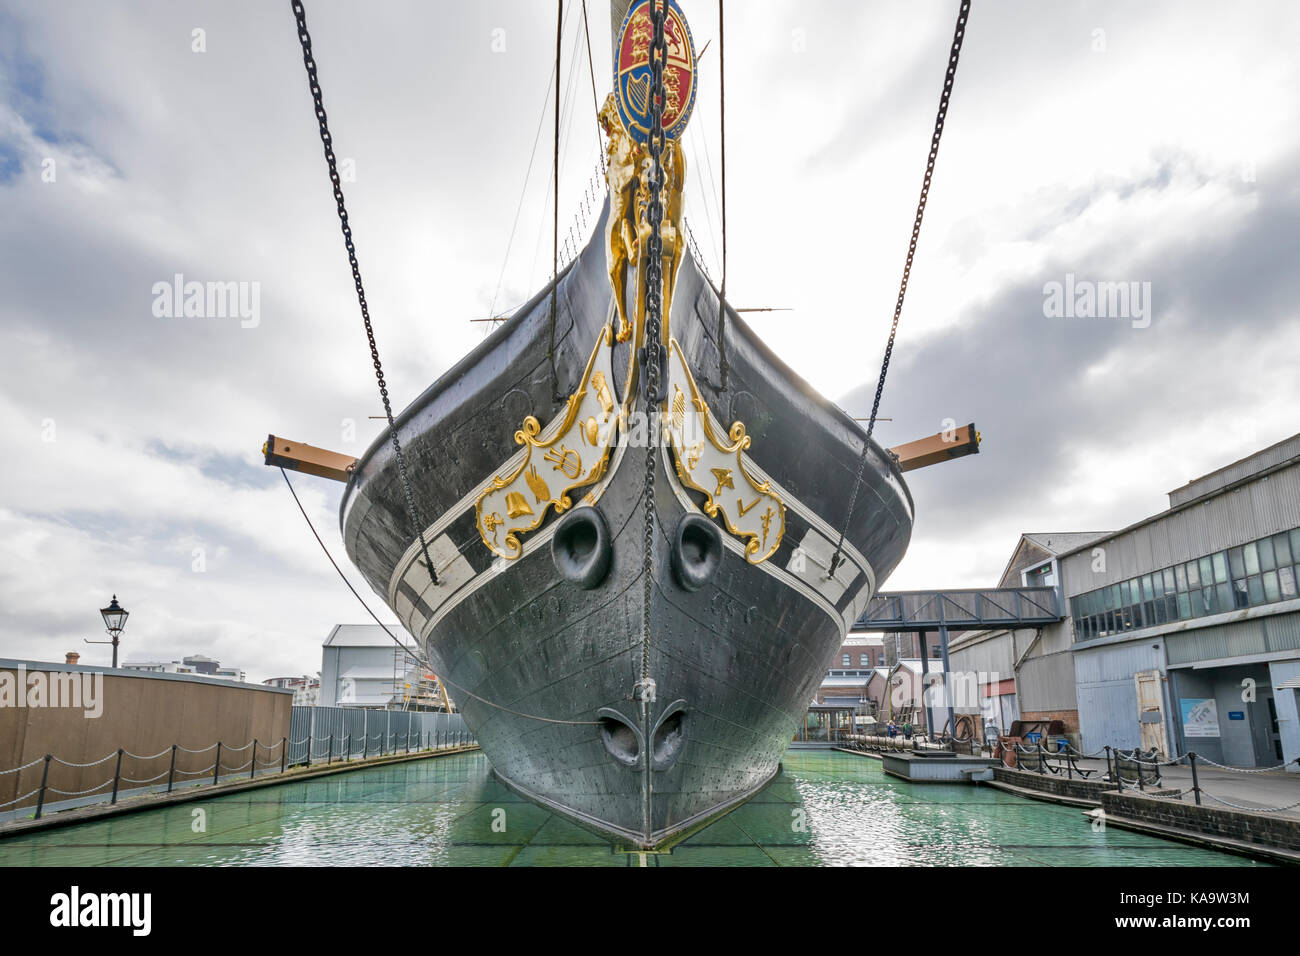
point(826, 808)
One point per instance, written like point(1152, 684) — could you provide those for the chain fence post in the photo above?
point(1196, 780)
point(329, 757)
point(45, 778)
point(117, 775)
point(284, 753)
point(171, 771)
point(252, 764)
point(216, 767)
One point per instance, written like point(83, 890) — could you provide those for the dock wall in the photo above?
point(80, 714)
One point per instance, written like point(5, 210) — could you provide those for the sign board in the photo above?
point(1200, 716)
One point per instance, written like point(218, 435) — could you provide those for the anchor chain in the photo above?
point(327, 141)
point(652, 352)
point(958, 35)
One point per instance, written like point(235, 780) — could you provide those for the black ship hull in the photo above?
point(544, 670)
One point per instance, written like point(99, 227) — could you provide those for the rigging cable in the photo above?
point(722, 125)
point(555, 221)
point(423, 661)
point(327, 141)
point(958, 35)
point(591, 69)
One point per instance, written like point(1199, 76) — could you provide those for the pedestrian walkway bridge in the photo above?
point(960, 610)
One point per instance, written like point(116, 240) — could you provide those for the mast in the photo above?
point(617, 14)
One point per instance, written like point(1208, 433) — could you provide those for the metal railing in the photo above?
point(262, 759)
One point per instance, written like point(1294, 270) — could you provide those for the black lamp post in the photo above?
point(114, 621)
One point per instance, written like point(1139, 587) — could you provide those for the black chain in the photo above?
point(327, 141)
point(953, 54)
point(653, 307)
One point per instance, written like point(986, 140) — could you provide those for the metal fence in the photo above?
point(318, 735)
point(326, 734)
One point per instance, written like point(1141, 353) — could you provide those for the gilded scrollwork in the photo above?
point(715, 466)
point(576, 453)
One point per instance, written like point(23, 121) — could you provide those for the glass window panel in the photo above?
point(1193, 576)
point(1134, 591)
point(1252, 558)
point(1112, 597)
point(1171, 604)
point(1237, 563)
point(1271, 590)
point(1170, 585)
point(1222, 597)
point(1161, 615)
point(1295, 545)
point(1184, 606)
point(1286, 582)
point(1239, 597)
point(1255, 588)
point(1266, 560)
point(1220, 562)
point(1180, 577)
point(1207, 601)
point(1207, 571)
point(1148, 591)
point(1282, 547)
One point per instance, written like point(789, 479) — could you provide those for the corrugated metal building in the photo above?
point(361, 666)
point(1025, 673)
point(1186, 625)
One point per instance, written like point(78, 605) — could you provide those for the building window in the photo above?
point(1263, 571)
point(847, 660)
point(1040, 577)
point(865, 660)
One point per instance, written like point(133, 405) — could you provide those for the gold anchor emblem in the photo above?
point(566, 458)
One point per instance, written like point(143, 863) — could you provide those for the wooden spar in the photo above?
point(934, 449)
point(310, 460)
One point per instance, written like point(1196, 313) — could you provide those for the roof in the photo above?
point(1055, 543)
point(839, 681)
point(1058, 542)
point(1281, 452)
point(366, 635)
point(1254, 467)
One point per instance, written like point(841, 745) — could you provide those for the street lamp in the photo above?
point(114, 621)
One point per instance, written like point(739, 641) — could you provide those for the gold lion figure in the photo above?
point(627, 172)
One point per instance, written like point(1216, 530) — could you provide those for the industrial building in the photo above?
point(362, 666)
point(1179, 632)
point(1186, 624)
point(1024, 673)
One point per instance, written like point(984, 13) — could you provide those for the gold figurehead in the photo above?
point(627, 233)
point(574, 449)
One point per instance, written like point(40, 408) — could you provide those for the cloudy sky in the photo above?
point(1114, 142)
